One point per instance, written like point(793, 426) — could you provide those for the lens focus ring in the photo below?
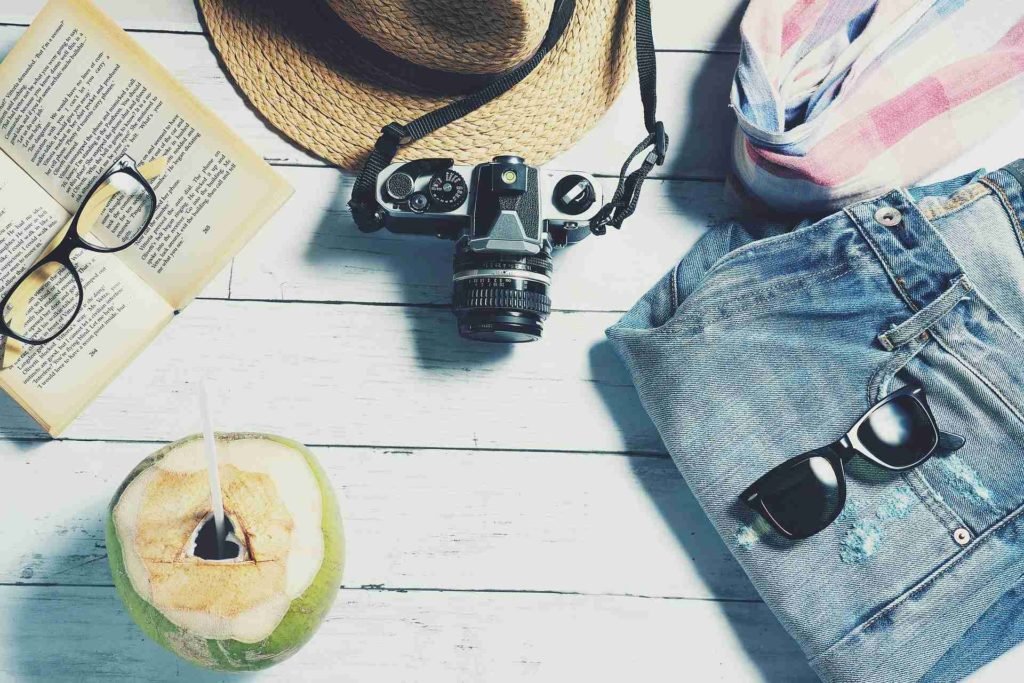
point(471, 261)
point(501, 297)
point(505, 299)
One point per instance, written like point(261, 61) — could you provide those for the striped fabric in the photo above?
point(839, 100)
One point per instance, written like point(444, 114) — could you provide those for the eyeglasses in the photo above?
point(805, 494)
point(115, 213)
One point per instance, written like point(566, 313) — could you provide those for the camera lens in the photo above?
point(501, 298)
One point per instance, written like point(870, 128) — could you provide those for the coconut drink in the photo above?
point(244, 601)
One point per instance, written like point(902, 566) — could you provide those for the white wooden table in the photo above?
point(484, 544)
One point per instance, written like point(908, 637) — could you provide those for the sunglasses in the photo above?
point(805, 494)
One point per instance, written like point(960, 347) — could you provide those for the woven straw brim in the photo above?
point(296, 71)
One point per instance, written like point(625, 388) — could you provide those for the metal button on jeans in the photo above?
point(888, 216)
point(962, 536)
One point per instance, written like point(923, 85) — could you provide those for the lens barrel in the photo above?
point(501, 298)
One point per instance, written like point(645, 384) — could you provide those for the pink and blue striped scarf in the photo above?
point(840, 100)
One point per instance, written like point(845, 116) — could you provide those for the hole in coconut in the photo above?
point(203, 543)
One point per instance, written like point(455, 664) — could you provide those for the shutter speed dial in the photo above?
point(448, 190)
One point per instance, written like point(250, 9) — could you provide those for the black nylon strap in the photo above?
point(627, 193)
point(428, 123)
point(363, 202)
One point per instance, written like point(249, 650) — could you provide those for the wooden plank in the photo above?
point(416, 519)
point(220, 285)
point(372, 375)
point(693, 100)
point(150, 15)
point(312, 251)
point(1006, 668)
point(677, 26)
point(83, 634)
point(697, 25)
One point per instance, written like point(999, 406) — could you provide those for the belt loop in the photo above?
point(1016, 169)
point(919, 323)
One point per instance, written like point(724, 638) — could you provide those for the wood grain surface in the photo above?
point(588, 520)
point(680, 25)
point(485, 543)
point(83, 634)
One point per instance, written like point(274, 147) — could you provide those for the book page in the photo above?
point(77, 92)
point(120, 314)
point(29, 219)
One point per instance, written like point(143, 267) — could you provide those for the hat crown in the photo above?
point(460, 36)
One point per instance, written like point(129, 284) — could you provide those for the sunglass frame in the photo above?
point(838, 453)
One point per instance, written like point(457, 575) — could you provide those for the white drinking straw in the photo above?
point(211, 461)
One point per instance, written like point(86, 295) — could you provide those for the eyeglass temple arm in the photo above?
point(11, 349)
point(950, 442)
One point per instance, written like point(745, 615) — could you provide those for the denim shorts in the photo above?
point(762, 344)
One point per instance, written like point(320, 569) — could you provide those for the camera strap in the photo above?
point(623, 203)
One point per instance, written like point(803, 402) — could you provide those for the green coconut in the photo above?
point(262, 603)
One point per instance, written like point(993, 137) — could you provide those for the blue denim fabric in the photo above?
point(762, 344)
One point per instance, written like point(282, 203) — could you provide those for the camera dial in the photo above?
point(448, 190)
point(573, 195)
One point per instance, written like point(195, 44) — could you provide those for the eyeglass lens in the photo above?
point(44, 303)
point(899, 433)
point(803, 497)
point(116, 212)
point(114, 215)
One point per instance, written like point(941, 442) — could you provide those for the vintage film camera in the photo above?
point(505, 217)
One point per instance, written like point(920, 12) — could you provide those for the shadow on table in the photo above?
point(81, 631)
point(766, 643)
point(422, 267)
point(17, 426)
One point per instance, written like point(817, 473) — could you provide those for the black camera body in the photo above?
point(505, 217)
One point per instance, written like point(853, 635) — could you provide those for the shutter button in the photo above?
point(962, 536)
point(888, 216)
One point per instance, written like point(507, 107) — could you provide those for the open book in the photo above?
point(76, 93)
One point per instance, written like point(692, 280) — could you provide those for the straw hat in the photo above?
point(331, 73)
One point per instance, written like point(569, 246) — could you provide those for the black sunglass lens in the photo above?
point(805, 497)
point(899, 433)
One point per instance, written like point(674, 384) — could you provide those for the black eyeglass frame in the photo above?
point(61, 254)
point(841, 452)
